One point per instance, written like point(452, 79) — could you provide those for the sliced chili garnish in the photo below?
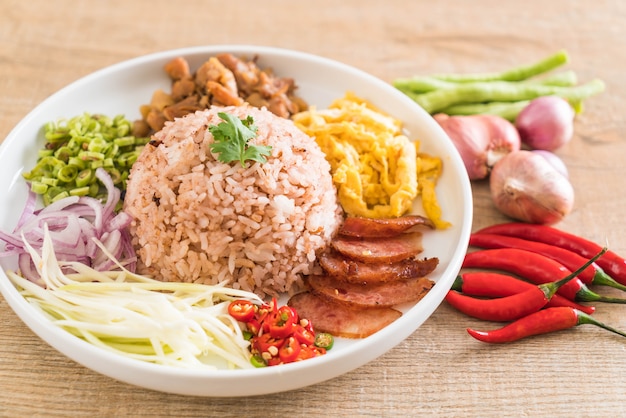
point(276, 334)
point(289, 351)
point(324, 340)
point(303, 335)
point(274, 361)
point(307, 324)
point(254, 326)
point(267, 344)
point(318, 351)
point(281, 322)
point(306, 352)
point(257, 361)
point(242, 310)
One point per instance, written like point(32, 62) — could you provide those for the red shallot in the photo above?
point(554, 161)
point(547, 123)
point(73, 224)
point(525, 186)
point(481, 140)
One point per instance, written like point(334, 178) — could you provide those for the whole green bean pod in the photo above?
point(517, 73)
point(437, 100)
point(424, 84)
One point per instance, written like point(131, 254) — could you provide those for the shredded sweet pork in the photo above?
point(223, 80)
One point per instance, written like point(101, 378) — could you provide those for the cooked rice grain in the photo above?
point(199, 220)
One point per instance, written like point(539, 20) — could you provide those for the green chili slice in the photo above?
point(324, 340)
point(257, 361)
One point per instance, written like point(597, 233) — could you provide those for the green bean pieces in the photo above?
point(75, 148)
point(504, 94)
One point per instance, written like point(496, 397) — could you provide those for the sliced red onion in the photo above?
point(74, 224)
point(29, 209)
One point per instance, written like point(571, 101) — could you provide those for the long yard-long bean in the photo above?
point(517, 73)
point(503, 93)
point(425, 84)
point(481, 92)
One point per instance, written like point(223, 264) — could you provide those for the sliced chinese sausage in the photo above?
point(340, 320)
point(371, 295)
point(345, 269)
point(355, 226)
point(379, 250)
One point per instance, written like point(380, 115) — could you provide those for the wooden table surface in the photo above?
point(439, 370)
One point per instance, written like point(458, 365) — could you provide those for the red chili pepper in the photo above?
point(274, 361)
point(540, 322)
point(306, 352)
point(309, 351)
point(278, 335)
point(318, 351)
point(254, 326)
point(281, 322)
point(267, 346)
point(496, 285)
point(516, 306)
point(290, 350)
point(503, 309)
point(303, 335)
point(612, 263)
point(593, 275)
point(535, 268)
point(242, 310)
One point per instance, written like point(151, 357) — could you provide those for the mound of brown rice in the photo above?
point(259, 227)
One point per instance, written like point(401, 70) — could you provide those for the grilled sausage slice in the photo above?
point(352, 271)
point(379, 250)
point(355, 226)
point(340, 320)
point(371, 295)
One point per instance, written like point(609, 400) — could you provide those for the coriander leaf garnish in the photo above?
point(231, 140)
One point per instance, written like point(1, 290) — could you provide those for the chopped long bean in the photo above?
point(75, 148)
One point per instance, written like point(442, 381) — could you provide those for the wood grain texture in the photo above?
point(439, 370)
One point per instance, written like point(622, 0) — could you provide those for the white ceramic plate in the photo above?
point(121, 89)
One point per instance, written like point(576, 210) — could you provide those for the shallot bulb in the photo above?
point(547, 123)
point(554, 160)
point(481, 140)
point(525, 186)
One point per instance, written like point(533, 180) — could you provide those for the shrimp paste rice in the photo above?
point(259, 227)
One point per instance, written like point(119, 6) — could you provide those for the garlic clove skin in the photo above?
point(526, 187)
point(482, 140)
